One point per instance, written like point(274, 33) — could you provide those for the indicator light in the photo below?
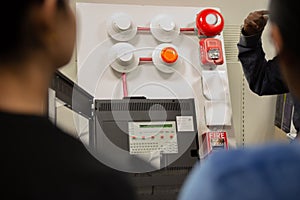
point(166, 58)
point(169, 55)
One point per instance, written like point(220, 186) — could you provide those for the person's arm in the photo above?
point(263, 76)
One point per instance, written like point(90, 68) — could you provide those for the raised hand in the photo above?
point(255, 22)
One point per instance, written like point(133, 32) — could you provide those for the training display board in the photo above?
point(144, 39)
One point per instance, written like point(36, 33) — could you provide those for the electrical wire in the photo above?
point(181, 29)
point(187, 29)
point(143, 28)
point(124, 82)
point(146, 59)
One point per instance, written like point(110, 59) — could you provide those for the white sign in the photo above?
point(185, 123)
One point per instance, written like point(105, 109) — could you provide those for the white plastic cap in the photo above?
point(211, 19)
point(167, 24)
point(122, 23)
point(125, 58)
point(121, 27)
point(122, 57)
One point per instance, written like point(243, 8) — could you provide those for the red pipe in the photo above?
point(187, 29)
point(125, 91)
point(148, 29)
point(146, 59)
point(143, 28)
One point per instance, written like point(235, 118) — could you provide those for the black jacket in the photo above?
point(39, 161)
point(263, 76)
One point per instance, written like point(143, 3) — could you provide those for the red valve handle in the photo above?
point(206, 28)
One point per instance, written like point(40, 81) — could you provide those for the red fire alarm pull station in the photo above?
point(211, 51)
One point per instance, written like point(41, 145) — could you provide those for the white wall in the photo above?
point(253, 116)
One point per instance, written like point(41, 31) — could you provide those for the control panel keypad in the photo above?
point(147, 137)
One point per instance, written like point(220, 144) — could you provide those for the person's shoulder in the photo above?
point(91, 174)
point(249, 163)
point(98, 177)
point(249, 156)
point(235, 174)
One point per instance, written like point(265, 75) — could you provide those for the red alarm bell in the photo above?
point(209, 22)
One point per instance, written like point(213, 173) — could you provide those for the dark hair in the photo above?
point(17, 33)
point(286, 15)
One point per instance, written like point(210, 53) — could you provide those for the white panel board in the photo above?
point(97, 77)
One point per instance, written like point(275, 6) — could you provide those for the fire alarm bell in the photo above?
point(211, 51)
point(209, 22)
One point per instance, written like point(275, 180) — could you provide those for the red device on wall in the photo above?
point(209, 22)
point(214, 141)
point(211, 51)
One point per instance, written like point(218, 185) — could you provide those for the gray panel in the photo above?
point(112, 117)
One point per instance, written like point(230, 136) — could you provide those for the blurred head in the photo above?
point(31, 28)
point(285, 16)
